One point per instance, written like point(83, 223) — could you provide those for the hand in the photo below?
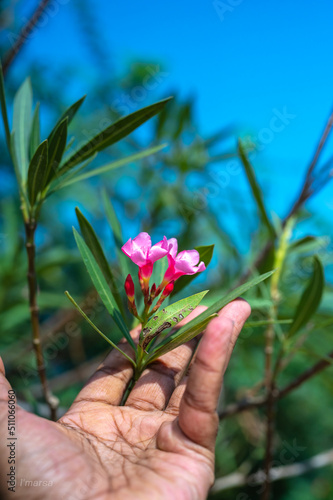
point(160, 445)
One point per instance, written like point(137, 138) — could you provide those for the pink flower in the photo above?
point(186, 262)
point(143, 254)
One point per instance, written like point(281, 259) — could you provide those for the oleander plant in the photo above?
point(283, 358)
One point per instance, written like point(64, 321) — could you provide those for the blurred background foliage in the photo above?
point(183, 191)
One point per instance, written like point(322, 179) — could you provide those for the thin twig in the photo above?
point(303, 196)
point(237, 479)
point(23, 36)
point(249, 404)
point(317, 368)
point(269, 383)
point(306, 189)
point(52, 401)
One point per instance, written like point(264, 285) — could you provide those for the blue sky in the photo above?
point(254, 61)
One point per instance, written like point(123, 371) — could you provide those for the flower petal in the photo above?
point(138, 248)
point(158, 250)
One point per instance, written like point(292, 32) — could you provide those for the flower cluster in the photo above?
point(144, 255)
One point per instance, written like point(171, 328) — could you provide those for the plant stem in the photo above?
point(258, 402)
point(128, 390)
point(24, 35)
point(269, 382)
point(136, 375)
point(51, 400)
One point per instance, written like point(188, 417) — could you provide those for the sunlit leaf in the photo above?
point(102, 287)
point(15, 160)
point(256, 191)
point(36, 171)
point(310, 299)
point(214, 308)
point(22, 123)
point(178, 338)
point(169, 317)
point(35, 132)
point(114, 133)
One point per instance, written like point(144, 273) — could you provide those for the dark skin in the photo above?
point(160, 445)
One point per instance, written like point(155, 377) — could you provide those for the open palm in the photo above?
point(159, 445)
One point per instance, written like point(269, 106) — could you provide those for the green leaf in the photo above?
point(206, 254)
point(214, 308)
point(69, 114)
point(15, 160)
point(115, 164)
point(116, 231)
point(57, 146)
point(114, 133)
point(178, 338)
point(83, 314)
point(265, 322)
point(310, 299)
point(4, 108)
point(170, 317)
point(102, 287)
point(22, 123)
point(69, 143)
point(94, 246)
point(36, 172)
point(14, 317)
point(63, 181)
point(256, 191)
point(309, 244)
point(35, 132)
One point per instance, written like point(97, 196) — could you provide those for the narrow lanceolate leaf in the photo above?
point(116, 231)
point(35, 132)
point(170, 317)
point(63, 181)
point(256, 191)
point(69, 114)
point(94, 246)
point(114, 133)
point(83, 314)
point(57, 146)
point(22, 124)
point(265, 322)
point(15, 160)
point(4, 108)
point(309, 244)
point(310, 299)
point(214, 308)
point(206, 254)
point(178, 338)
point(115, 164)
point(102, 287)
point(36, 171)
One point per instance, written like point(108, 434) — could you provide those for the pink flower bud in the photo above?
point(129, 288)
point(168, 289)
